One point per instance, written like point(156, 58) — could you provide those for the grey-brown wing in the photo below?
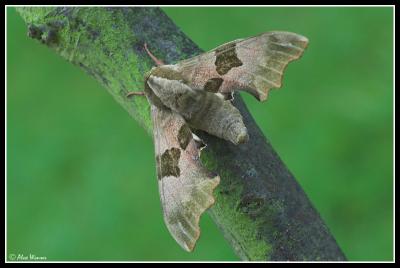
point(255, 64)
point(186, 187)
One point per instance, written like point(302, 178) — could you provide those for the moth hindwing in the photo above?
point(195, 93)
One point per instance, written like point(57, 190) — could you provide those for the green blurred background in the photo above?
point(81, 181)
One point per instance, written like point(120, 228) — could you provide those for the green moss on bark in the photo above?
point(102, 44)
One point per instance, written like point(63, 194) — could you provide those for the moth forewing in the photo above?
point(186, 187)
point(255, 64)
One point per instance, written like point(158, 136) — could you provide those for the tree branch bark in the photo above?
point(261, 209)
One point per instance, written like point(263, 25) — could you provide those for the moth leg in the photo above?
point(157, 61)
point(135, 93)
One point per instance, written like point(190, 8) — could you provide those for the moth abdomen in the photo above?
point(220, 118)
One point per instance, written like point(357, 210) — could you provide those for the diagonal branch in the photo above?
point(260, 208)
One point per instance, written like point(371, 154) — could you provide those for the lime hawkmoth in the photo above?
point(197, 93)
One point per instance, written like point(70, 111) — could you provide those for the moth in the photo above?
point(197, 93)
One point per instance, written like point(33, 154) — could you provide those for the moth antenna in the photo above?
point(135, 93)
point(157, 61)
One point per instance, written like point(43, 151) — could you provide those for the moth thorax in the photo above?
point(189, 103)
